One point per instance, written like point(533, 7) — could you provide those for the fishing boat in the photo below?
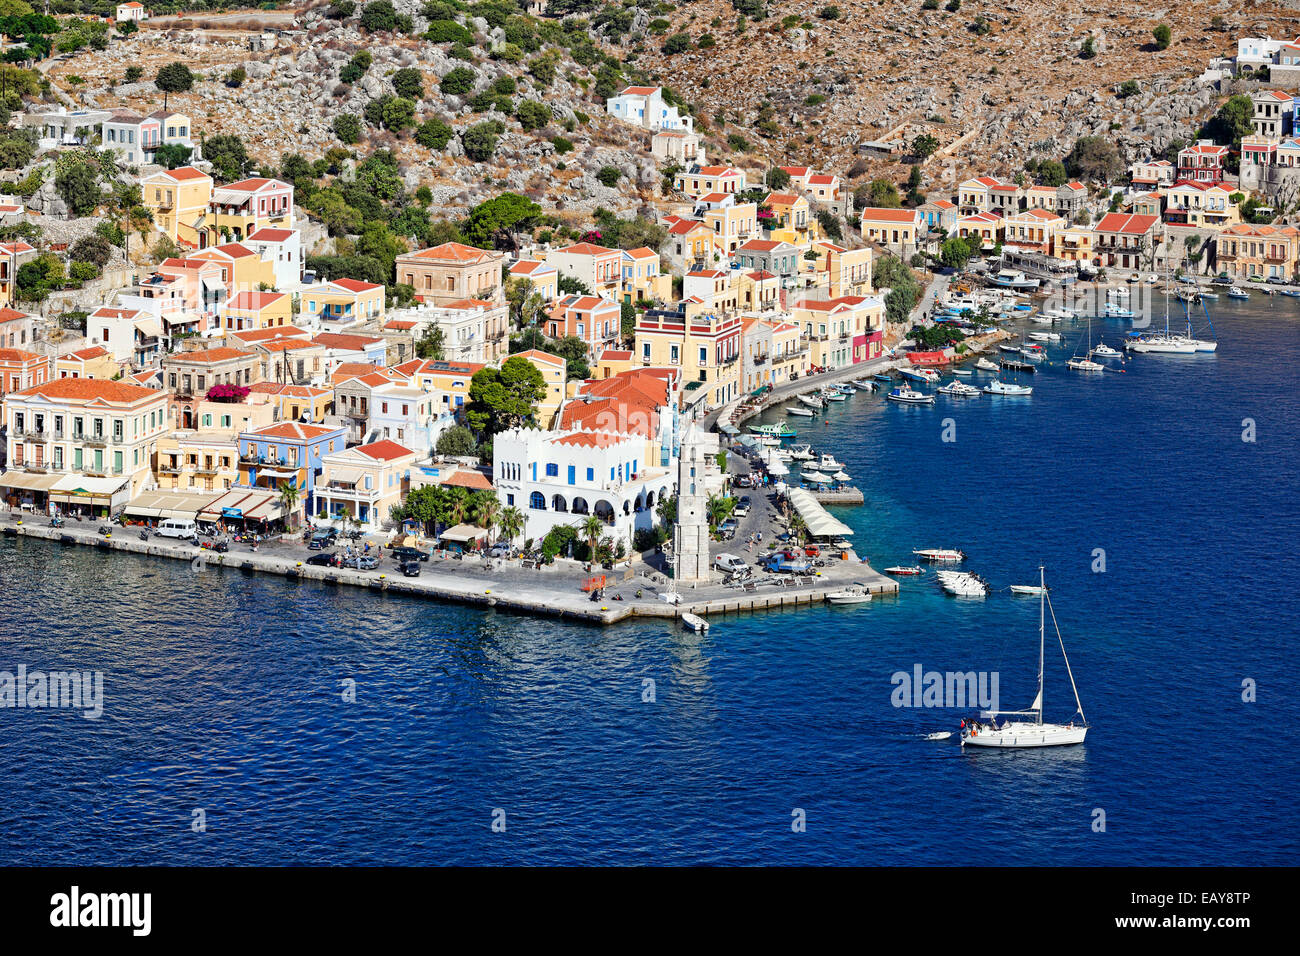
point(883, 378)
point(1011, 279)
point(1007, 388)
point(800, 412)
point(694, 622)
point(811, 401)
point(1292, 293)
point(905, 571)
point(940, 555)
point(985, 365)
point(1026, 728)
point(852, 594)
point(1116, 312)
point(1045, 336)
point(1105, 351)
point(864, 385)
point(1059, 314)
point(1236, 292)
point(959, 390)
point(1012, 365)
point(828, 463)
point(776, 430)
point(1009, 347)
point(834, 395)
point(801, 452)
point(1033, 353)
point(909, 396)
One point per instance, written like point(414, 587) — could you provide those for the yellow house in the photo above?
point(848, 271)
point(554, 370)
point(1076, 244)
point(642, 278)
point(178, 201)
point(1034, 230)
point(93, 362)
point(609, 363)
point(1246, 251)
point(257, 310)
point(343, 302)
point(705, 345)
point(544, 277)
point(690, 243)
point(791, 220)
point(1202, 205)
point(292, 402)
point(710, 179)
point(242, 269)
point(758, 290)
point(205, 457)
point(732, 225)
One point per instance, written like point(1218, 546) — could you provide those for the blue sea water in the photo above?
point(224, 691)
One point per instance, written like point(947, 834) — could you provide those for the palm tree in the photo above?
point(487, 511)
point(797, 527)
point(511, 523)
point(590, 528)
point(289, 499)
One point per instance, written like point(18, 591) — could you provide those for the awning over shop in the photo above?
point(464, 532)
point(168, 504)
point(819, 521)
point(82, 489)
point(345, 476)
point(244, 503)
point(276, 473)
point(27, 481)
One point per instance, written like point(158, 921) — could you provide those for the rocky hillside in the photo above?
point(291, 94)
point(1002, 80)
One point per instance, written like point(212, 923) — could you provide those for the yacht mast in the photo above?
point(1042, 600)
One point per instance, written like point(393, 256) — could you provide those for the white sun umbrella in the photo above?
point(816, 477)
point(776, 468)
point(840, 476)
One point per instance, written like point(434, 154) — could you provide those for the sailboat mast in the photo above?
point(1042, 601)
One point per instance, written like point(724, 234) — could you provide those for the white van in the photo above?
point(177, 528)
point(730, 564)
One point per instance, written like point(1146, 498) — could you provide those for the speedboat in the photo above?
point(796, 410)
point(1062, 314)
point(1117, 293)
point(811, 401)
point(1010, 347)
point(1116, 312)
point(924, 375)
point(1007, 388)
point(909, 396)
point(1033, 353)
point(834, 395)
point(694, 622)
point(1104, 350)
point(1045, 336)
point(1293, 293)
point(1084, 365)
point(828, 463)
point(853, 594)
point(1028, 589)
point(864, 384)
point(959, 390)
point(845, 388)
point(883, 379)
point(905, 571)
point(963, 372)
point(1236, 292)
point(963, 584)
point(940, 555)
point(985, 365)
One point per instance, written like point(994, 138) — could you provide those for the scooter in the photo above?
point(144, 535)
point(56, 522)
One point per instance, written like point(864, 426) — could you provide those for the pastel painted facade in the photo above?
point(1202, 162)
point(599, 268)
point(595, 320)
point(20, 369)
point(767, 255)
point(706, 347)
point(732, 225)
point(544, 277)
point(643, 280)
point(13, 256)
point(360, 486)
point(94, 361)
point(554, 371)
point(244, 207)
point(897, 230)
point(700, 181)
point(1201, 205)
point(1034, 230)
point(282, 248)
point(257, 310)
point(287, 452)
point(1125, 240)
point(1245, 251)
point(452, 272)
point(178, 201)
point(677, 146)
point(342, 303)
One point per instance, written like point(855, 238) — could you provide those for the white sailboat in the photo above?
point(1085, 364)
point(1027, 727)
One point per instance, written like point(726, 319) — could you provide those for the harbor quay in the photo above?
point(554, 590)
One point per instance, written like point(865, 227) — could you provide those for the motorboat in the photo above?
point(1013, 365)
point(1084, 365)
point(694, 622)
point(940, 555)
point(1059, 314)
point(1009, 347)
point(909, 396)
point(852, 594)
point(1117, 293)
point(834, 395)
point(883, 379)
point(844, 388)
point(963, 372)
point(1033, 353)
point(800, 452)
point(1045, 336)
point(959, 390)
point(1007, 388)
point(1236, 292)
point(812, 401)
point(905, 571)
point(1027, 589)
point(864, 385)
point(1012, 279)
point(985, 365)
point(923, 375)
point(828, 463)
point(1105, 351)
point(1116, 312)
point(963, 584)
point(1292, 293)
point(1026, 728)
point(800, 412)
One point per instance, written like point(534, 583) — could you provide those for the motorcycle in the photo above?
point(144, 535)
point(56, 522)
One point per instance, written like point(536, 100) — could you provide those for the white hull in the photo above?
point(1084, 365)
point(695, 622)
point(1162, 347)
point(1022, 735)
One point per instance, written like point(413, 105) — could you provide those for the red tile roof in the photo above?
point(384, 450)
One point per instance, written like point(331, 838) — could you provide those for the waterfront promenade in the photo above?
point(553, 590)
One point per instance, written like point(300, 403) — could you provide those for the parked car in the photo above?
point(1221, 279)
point(325, 559)
point(322, 539)
point(728, 524)
point(741, 510)
point(1256, 278)
point(743, 481)
point(785, 562)
point(403, 553)
point(410, 569)
point(502, 550)
point(1276, 280)
point(362, 562)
